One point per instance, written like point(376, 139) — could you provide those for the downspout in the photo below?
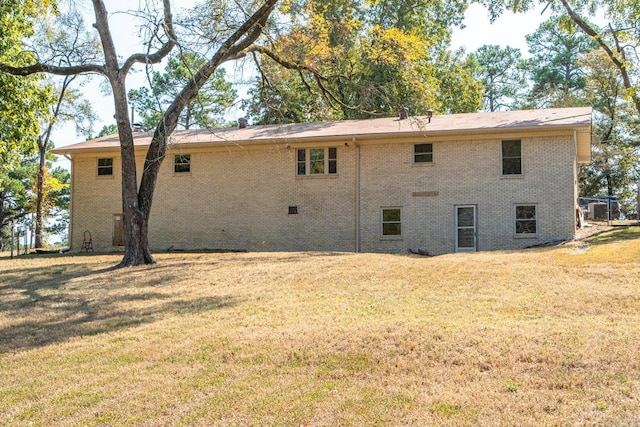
point(71, 198)
point(357, 198)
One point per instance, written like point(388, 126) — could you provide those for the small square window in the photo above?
point(105, 167)
point(293, 210)
point(391, 222)
point(182, 163)
point(423, 153)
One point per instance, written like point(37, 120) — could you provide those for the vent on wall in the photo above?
point(293, 210)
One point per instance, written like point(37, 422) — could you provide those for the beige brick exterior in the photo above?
point(236, 196)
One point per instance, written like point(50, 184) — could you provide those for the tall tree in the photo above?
point(15, 200)
point(23, 104)
point(503, 74)
point(619, 38)
point(355, 59)
point(615, 148)
point(205, 111)
point(107, 130)
point(556, 47)
point(233, 31)
point(68, 104)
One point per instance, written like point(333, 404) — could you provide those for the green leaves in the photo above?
point(557, 47)
point(205, 111)
point(348, 59)
point(503, 74)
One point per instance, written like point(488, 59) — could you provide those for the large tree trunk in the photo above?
point(136, 202)
point(136, 222)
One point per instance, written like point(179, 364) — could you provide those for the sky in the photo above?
point(509, 30)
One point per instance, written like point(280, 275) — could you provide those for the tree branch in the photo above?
point(164, 50)
point(52, 69)
point(250, 30)
point(327, 94)
point(245, 35)
point(613, 56)
point(238, 48)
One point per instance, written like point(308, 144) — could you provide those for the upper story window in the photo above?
point(512, 157)
point(423, 153)
point(182, 163)
point(317, 161)
point(105, 167)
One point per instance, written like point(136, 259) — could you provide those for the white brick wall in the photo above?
point(238, 197)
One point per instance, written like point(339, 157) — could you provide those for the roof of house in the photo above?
point(469, 123)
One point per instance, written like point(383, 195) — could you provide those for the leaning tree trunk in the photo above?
point(136, 202)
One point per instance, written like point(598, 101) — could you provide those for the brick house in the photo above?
point(460, 182)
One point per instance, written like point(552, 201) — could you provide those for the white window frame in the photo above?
point(383, 222)
point(536, 219)
point(327, 161)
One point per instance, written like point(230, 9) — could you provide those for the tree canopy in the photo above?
point(557, 47)
point(229, 36)
point(354, 59)
point(205, 111)
point(22, 100)
point(503, 74)
point(23, 104)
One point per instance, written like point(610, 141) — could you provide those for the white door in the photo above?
point(465, 228)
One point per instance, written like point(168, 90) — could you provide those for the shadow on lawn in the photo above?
point(619, 233)
point(40, 306)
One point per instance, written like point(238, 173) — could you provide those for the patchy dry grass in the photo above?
point(538, 337)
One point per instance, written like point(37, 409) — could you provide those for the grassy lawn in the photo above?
point(546, 336)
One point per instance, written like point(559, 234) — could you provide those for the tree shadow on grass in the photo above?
point(617, 234)
point(41, 306)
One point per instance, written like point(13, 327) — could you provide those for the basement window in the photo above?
point(391, 222)
point(105, 167)
point(526, 220)
point(182, 163)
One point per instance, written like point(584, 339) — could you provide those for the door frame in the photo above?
point(457, 228)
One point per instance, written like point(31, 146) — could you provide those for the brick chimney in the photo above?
point(242, 123)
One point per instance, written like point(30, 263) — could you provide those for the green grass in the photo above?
point(545, 336)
